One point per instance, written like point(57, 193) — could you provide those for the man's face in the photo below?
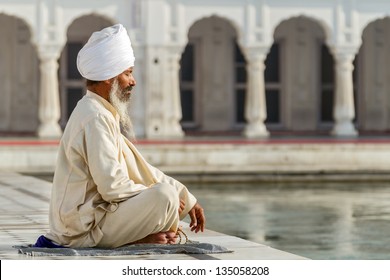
point(126, 83)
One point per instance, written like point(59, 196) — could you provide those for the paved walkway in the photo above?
point(24, 205)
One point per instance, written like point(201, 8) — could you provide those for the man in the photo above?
point(104, 192)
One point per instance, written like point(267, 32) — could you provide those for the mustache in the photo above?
point(129, 88)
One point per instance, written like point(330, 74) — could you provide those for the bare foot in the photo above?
point(168, 237)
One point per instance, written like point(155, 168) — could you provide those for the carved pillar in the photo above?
point(163, 108)
point(344, 108)
point(173, 113)
point(255, 104)
point(49, 104)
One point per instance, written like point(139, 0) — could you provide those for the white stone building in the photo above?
point(235, 66)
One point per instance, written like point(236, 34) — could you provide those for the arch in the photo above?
point(95, 21)
point(298, 85)
point(19, 76)
point(71, 20)
point(325, 27)
point(72, 85)
point(231, 22)
point(378, 20)
point(370, 19)
point(27, 21)
point(17, 17)
point(373, 82)
point(211, 38)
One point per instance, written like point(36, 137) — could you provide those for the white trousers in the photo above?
point(151, 211)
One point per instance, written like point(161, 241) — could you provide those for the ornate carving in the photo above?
point(49, 104)
point(255, 106)
point(344, 108)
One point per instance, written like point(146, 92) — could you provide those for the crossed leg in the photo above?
point(149, 217)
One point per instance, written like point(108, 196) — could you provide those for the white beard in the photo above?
point(120, 100)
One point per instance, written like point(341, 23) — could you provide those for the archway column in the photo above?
point(49, 103)
point(255, 103)
point(344, 108)
point(163, 108)
point(173, 113)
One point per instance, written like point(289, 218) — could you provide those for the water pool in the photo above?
point(314, 220)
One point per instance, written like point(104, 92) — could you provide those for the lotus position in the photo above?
point(104, 193)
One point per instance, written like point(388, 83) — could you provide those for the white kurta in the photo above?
point(104, 192)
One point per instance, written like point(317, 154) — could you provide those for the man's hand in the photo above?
point(198, 219)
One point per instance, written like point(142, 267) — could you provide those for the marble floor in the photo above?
point(24, 204)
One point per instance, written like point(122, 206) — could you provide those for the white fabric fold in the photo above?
point(106, 54)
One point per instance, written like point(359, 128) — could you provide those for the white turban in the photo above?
point(106, 54)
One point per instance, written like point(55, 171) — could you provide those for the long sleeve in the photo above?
point(184, 194)
point(160, 177)
point(103, 158)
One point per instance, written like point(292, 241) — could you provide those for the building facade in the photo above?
point(252, 67)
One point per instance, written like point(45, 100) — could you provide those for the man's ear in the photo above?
point(109, 81)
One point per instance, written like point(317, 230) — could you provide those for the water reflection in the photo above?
point(318, 221)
